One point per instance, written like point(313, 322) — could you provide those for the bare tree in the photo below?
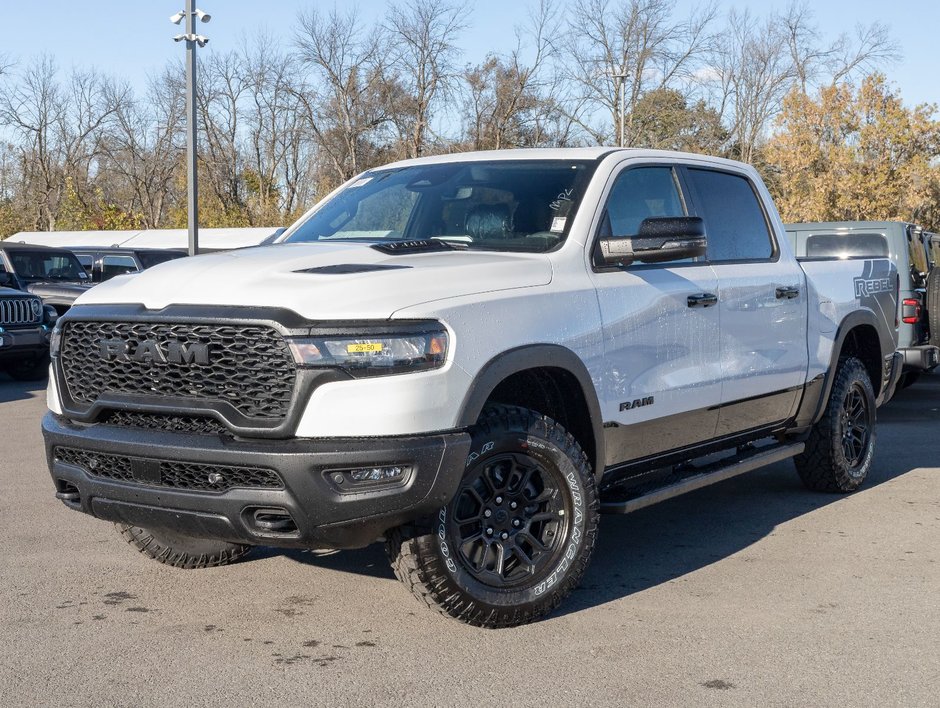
point(424, 33)
point(638, 40)
point(344, 98)
point(142, 150)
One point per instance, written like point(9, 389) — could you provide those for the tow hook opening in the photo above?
point(68, 493)
point(268, 520)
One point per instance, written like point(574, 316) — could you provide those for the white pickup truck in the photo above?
point(470, 356)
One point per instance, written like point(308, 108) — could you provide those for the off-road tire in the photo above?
point(933, 305)
point(181, 551)
point(30, 371)
point(824, 466)
point(431, 562)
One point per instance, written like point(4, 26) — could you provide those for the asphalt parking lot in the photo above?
point(751, 592)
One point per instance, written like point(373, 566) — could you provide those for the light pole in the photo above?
point(191, 14)
point(622, 78)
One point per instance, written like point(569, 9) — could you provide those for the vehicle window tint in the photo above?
point(918, 253)
point(848, 245)
point(86, 260)
point(148, 259)
point(117, 265)
point(935, 250)
point(734, 220)
point(638, 194)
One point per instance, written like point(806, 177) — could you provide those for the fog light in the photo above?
point(376, 474)
point(349, 480)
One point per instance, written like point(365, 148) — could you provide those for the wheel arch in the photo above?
point(542, 376)
point(858, 335)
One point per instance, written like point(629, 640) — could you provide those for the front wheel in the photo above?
point(519, 533)
point(841, 445)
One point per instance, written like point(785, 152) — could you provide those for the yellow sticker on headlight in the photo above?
point(364, 348)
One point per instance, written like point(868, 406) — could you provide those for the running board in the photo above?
point(708, 475)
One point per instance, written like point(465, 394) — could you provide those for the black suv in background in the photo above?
point(104, 263)
point(25, 327)
point(54, 274)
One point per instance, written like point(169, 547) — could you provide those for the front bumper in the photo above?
point(323, 513)
point(29, 341)
point(922, 358)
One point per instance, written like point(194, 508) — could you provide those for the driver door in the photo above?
point(662, 380)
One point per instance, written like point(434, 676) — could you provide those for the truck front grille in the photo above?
point(196, 425)
point(19, 311)
point(192, 476)
point(248, 367)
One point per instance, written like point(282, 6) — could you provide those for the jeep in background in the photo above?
point(54, 274)
point(909, 247)
point(102, 264)
point(25, 329)
point(469, 357)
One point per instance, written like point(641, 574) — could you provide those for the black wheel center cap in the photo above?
point(501, 516)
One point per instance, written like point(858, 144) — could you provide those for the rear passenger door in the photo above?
point(661, 387)
point(761, 303)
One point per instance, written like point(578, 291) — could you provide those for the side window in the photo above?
point(117, 265)
point(86, 259)
point(735, 223)
point(641, 193)
point(918, 253)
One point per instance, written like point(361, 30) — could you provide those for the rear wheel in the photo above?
point(840, 447)
point(181, 551)
point(518, 535)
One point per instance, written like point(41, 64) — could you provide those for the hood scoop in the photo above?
point(349, 268)
point(401, 248)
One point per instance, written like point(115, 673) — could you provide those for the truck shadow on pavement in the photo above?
point(13, 390)
point(670, 540)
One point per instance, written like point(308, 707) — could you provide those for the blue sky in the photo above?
point(132, 38)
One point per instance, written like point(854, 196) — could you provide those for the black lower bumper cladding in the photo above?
point(215, 487)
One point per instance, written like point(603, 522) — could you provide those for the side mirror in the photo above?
point(6, 280)
point(661, 239)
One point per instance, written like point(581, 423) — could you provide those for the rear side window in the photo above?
point(152, 258)
point(734, 220)
point(117, 265)
point(87, 260)
point(848, 245)
point(918, 253)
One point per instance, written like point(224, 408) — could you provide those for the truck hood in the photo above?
point(62, 292)
point(323, 281)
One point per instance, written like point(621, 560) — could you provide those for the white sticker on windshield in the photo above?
point(360, 182)
point(558, 224)
point(82, 275)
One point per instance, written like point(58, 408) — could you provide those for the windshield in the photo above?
point(32, 266)
point(499, 205)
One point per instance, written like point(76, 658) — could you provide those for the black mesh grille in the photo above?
point(191, 476)
point(198, 425)
point(249, 367)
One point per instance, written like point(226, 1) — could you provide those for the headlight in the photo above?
point(36, 306)
point(55, 341)
point(411, 349)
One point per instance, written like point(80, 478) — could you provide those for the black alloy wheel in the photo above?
point(510, 520)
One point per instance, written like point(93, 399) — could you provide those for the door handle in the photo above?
point(787, 293)
point(702, 300)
